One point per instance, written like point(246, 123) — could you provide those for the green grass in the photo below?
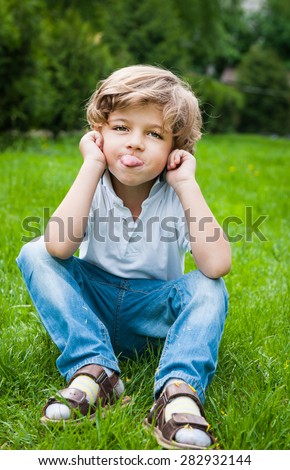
point(248, 400)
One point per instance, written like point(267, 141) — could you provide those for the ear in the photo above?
point(97, 127)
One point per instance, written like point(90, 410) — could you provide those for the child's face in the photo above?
point(135, 146)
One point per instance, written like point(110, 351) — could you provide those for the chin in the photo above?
point(132, 181)
point(126, 179)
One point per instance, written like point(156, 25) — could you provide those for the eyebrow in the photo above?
point(127, 121)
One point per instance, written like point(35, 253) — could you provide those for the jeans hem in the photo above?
point(159, 384)
point(99, 360)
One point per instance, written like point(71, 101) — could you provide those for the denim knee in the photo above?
point(212, 289)
point(32, 252)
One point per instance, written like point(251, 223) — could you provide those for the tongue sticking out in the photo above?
point(131, 161)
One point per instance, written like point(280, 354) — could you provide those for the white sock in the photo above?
point(58, 411)
point(186, 405)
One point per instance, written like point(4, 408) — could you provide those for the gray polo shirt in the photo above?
point(152, 247)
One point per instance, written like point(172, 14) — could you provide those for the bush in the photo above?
point(264, 79)
point(49, 66)
point(221, 104)
point(19, 35)
point(76, 61)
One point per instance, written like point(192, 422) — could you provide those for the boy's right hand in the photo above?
point(91, 147)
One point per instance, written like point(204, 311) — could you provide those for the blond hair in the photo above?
point(139, 85)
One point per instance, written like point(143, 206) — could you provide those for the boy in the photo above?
point(134, 210)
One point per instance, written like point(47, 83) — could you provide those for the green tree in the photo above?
point(76, 61)
point(264, 79)
point(50, 62)
point(89, 10)
point(221, 105)
point(239, 34)
point(273, 27)
point(144, 32)
point(214, 32)
point(20, 34)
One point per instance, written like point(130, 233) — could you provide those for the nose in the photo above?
point(135, 140)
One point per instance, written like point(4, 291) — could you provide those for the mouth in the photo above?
point(130, 161)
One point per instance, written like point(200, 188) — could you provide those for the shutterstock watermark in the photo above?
point(169, 229)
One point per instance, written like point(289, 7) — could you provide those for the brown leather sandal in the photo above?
point(76, 399)
point(165, 431)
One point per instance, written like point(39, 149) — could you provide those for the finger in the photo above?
point(95, 137)
point(88, 136)
point(170, 160)
point(171, 164)
point(99, 140)
point(175, 159)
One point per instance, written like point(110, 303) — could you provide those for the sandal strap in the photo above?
point(106, 384)
point(184, 420)
point(76, 399)
point(182, 389)
point(178, 420)
point(171, 392)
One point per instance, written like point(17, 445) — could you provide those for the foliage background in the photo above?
point(52, 54)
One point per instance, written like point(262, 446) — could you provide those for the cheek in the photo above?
point(108, 146)
point(108, 139)
point(161, 164)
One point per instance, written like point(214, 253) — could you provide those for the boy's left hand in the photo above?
point(181, 166)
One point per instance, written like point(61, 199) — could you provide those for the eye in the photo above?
point(120, 128)
point(155, 135)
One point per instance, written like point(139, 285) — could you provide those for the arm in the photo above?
point(209, 245)
point(66, 228)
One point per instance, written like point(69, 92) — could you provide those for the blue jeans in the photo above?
point(94, 317)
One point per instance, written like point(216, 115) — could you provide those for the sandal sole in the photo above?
point(169, 445)
point(44, 420)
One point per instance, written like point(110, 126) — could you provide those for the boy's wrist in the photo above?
point(186, 187)
point(93, 164)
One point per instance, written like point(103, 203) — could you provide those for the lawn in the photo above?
point(245, 180)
